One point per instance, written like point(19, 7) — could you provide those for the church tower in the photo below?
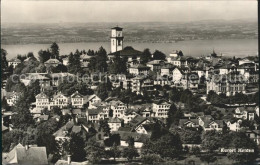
point(116, 39)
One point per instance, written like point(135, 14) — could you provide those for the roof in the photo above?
point(117, 28)
point(140, 66)
point(57, 75)
point(114, 120)
point(41, 96)
point(76, 111)
point(14, 60)
point(137, 120)
point(127, 51)
point(219, 122)
point(59, 94)
point(36, 76)
point(33, 156)
point(154, 62)
point(44, 117)
point(184, 122)
point(89, 97)
point(161, 102)
point(137, 137)
point(52, 61)
point(4, 128)
point(9, 95)
point(127, 129)
point(94, 111)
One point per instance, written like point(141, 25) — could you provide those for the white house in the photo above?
point(234, 126)
point(60, 100)
point(14, 62)
point(139, 70)
point(177, 75)
point(114, 123)
point(118, 108)
point(77, 100)
point(42, 101)
point(92, 100)
point(161, 109)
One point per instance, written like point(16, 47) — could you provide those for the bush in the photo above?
point(151, 159)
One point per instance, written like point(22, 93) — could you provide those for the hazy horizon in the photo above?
point(125, 11)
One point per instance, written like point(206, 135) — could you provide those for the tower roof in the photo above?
point(117, 28)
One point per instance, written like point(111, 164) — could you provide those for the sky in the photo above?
point(48, 11)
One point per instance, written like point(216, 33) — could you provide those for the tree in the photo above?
point(21, 57)
point(74, 64)
point(4, 63)
point(158, 55)
point(180, 53)
point(171, 115)
point(114, 152)
point(55, 51)
point(167, 146)
point(130, 153)
point(208, 157)
point(146, 56)
point(118, 66)
point(151, 159)
point(130, 141)
point(189, 136)
point(211, 141)
point(60, 68)
point(30, 54)
point(241, 140)
point(95, 151)
point(44, 55)
point(103, 89)
point(92, 64)
point(114, 139)
point(175, 95)
point(77, 146)
point(105, 127)
point(68, 86)
point(32, 90)
point(44, 135)
point(22, 117)
point(101, 57)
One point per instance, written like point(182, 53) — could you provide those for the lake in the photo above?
point(234, 47)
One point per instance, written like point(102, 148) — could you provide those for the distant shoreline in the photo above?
point(195, 48)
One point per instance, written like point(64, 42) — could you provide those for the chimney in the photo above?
point(76, 119)
point(26, 147)
point(69, 159)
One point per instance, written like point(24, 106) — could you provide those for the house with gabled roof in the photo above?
point(92, 101)
point(114, 123)
point(129, 115)
point(214, 125)
point(52, 62)
point(42, 101)
point(139, 139)
point(191, 123)
point(60, 100)
point(118, 108)
point(77, 100)
point(25, 155)
point(140, 124)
